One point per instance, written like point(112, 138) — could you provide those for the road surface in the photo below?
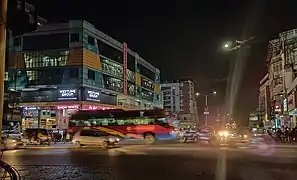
point(163, 161)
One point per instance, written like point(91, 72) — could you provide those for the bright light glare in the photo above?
point(227, 45)
point(226, 133)
point(197, 94)
point(215, 92)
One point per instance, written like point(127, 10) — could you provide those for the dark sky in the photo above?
point(184, 39)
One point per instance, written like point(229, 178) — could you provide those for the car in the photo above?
point(233, 137)
point(94, 137)
point(188, 135)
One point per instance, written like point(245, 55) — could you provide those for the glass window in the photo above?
point(113, 83)
point(46, 42)
point(87, 133)
point(130, 76)
point(45, 59)
point(147, 83)
point(146, 72)
point(91, 40)
point(112, 68)
point(74, 37)
point(110, 52)
point(148, 95)
point(73, 73)
point(131, 62)
point(91, 74)
point(16, 41)
point(52, 76)
point(92, 121)
point(131, 89)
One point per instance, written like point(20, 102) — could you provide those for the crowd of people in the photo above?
point(283, 134)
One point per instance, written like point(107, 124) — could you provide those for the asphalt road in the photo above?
point(163, 161)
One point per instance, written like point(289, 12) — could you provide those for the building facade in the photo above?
point(282, 66)
point(61, 68)
point(264, 102)
point(179, 98)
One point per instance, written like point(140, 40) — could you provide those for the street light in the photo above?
point(231, 46)
point(206, 113)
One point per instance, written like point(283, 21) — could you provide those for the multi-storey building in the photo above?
point(179, 98)
point(282, 66)
point(61, 68)
point(264, 102)
point(11, 112)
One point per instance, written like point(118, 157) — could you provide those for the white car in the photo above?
point(94, 137)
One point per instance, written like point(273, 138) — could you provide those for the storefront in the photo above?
point(292, 110)
point(51, 108)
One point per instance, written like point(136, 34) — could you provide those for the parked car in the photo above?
point(94, 137)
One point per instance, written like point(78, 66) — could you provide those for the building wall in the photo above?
point(76, 54)
point(264, 107)
point(179, 97)
point(171, 97)
point(282, 66)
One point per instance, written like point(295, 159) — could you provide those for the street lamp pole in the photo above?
point(206, 109)
point(206, 105)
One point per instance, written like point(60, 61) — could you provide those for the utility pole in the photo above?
point(3, 17)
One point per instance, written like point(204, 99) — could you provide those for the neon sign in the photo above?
point(68, 107)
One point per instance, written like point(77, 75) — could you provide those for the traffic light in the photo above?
point(21, 18)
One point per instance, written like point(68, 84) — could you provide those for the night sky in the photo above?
point(185, 39)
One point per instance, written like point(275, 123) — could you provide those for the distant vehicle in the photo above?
point(188, 135)
point(94, 137)
point(150, 125)
point(205, 134)
point(36, 136)
point(233, 137)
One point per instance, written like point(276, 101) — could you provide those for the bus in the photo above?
point(150, 125)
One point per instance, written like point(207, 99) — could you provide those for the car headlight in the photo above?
point(245, 136)
point(112, 139)
point(226, 134)
point(117, 139)
point(14, 141)
point(221, 133)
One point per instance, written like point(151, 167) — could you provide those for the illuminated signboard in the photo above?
point(92, 95)
point(67, 94)
point(96, 95)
